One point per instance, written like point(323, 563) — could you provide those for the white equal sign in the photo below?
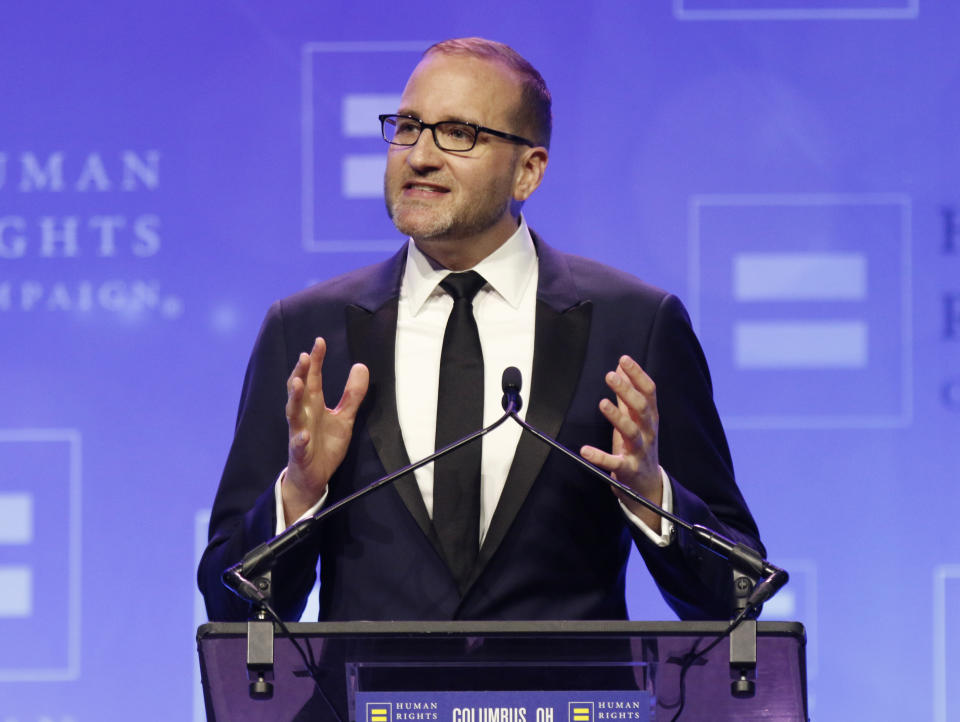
point(16, 580)
point(361, 174)
point(813, 343)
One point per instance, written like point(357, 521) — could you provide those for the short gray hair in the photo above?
point(534, 114)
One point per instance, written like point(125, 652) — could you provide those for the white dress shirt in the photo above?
point(505, 312)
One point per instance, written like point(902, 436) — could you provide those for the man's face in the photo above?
point(442, 198)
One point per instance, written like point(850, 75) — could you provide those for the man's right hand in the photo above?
point(318, 436)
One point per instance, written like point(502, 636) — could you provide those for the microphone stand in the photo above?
point(250, 578)
point(766, 578)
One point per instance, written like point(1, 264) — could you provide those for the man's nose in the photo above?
point(425, 153)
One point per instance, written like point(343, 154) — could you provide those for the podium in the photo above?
point(552, 671)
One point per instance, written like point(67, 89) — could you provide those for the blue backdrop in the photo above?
point(790, 168)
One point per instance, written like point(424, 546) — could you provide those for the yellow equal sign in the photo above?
point(581, 714)
point(378, 714)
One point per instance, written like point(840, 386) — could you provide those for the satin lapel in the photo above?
point(372, 339)
point(559, 350)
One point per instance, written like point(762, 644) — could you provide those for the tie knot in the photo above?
point(463, 285)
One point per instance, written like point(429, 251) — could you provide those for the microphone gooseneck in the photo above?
point(237, 578)
point(768, 579)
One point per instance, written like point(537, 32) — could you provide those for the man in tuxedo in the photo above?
point(507, 530)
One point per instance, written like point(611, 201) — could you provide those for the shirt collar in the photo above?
point(508, 270)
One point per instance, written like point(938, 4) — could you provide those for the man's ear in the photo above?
point(530, 169)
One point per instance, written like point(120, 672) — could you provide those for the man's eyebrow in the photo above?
point(448, 119)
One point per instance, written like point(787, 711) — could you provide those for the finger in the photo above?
point(628, 397)
point(354, 391)
point(611, 463)
point(299, 370)
point(294, 408)
point(314, 377)
point(621, 420)
point(598, 457)
point(640, 401)
point(637, 419)
point(637, 377)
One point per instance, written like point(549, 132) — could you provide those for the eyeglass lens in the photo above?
point(449, 135)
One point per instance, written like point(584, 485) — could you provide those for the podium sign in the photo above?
point(496, 706)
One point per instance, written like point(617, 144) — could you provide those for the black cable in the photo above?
point(688, 660)
point(308, 660)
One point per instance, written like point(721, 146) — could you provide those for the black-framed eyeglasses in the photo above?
point(453, 135)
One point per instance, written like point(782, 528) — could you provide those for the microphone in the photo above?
point(511, 383)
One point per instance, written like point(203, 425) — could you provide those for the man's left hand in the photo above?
point(633, 460)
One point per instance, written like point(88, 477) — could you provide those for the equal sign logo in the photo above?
point(362, 173)
point(344, 87)
point(805, 343)
point(40, 555)
point(803, 306)
point(581, 712)
point(379, 712)
point(16, 580)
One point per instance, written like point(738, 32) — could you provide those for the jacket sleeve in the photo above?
point(693, 451)
point(244, 513)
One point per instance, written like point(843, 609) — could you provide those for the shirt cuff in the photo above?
point(278, 503)
point(665, 536)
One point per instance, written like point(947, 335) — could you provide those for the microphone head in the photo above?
point(511, 383)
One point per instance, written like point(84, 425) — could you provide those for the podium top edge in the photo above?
point(512, 628)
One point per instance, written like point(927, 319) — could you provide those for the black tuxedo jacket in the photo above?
point(558, 542)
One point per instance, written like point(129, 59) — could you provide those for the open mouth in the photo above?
point(421, 188)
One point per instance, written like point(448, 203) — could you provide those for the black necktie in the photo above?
point(456, 476)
